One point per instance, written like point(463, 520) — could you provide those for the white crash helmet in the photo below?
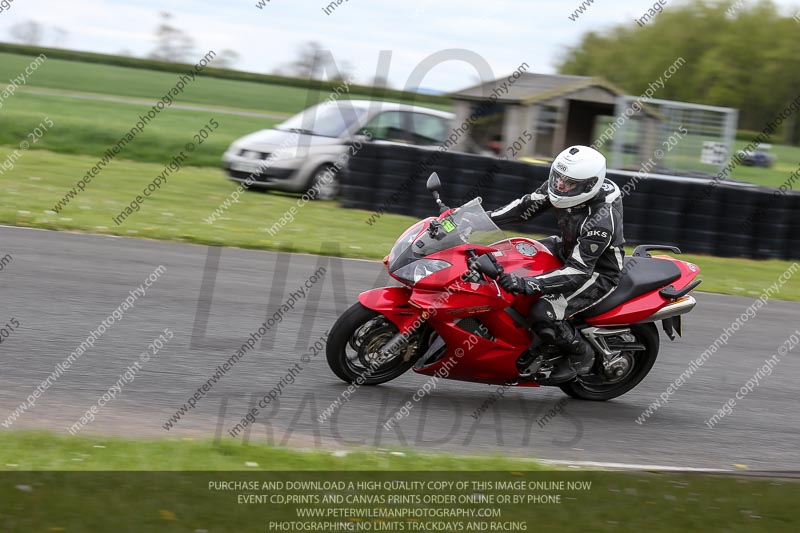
point(576, 176)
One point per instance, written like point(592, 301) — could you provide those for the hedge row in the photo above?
point(167, 66)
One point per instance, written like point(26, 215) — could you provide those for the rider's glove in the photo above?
point(517, 285)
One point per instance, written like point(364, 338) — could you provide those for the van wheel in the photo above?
point(326, 183)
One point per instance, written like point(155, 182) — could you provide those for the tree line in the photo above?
point(740, 55)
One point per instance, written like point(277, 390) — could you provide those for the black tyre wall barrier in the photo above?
point(728, 219)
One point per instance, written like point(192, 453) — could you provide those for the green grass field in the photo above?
point(132, 82)
point(788, 161)
point(138, 83)
point(42, 492)
point(179, 209)
point(30, 451)
point(92, 127)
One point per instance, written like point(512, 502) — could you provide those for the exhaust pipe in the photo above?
point(679, 307)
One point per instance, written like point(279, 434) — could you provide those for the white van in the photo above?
point(297, 154)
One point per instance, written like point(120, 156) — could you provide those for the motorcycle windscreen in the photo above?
point(469, 224)
point(402, 253)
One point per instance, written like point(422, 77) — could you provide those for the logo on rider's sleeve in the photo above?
point(598, 233)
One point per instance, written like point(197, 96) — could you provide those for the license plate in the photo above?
point(245, 166)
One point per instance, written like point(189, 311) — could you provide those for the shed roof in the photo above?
point(532, 87)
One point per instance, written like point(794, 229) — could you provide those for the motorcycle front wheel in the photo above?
point(355, 343)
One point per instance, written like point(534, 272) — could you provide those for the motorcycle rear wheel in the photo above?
point(646, 334)
point(354, 344)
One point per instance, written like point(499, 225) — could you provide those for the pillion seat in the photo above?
point(640, 275)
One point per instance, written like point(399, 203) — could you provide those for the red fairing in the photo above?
point(478, 321)
point(391, 302)
point(631, 311)
point(473, 358)
point(643, 306)
point(482, 360)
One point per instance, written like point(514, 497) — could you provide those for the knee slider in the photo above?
point(542, 313)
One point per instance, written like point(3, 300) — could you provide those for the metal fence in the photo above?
point(680, 138)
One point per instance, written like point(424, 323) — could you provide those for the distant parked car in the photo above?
point(297, 154)
point(756, 158)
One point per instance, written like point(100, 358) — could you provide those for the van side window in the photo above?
point(428, 129)
point(387, 126)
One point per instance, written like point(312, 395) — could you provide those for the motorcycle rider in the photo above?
point(588, 209)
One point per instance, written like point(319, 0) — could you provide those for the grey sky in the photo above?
point(504, 32)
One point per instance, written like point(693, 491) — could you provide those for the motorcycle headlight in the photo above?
point(421, 269)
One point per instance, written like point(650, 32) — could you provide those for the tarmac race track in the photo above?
point(60, 286)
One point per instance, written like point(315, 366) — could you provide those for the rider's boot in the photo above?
point(531, 360)
point(579, 362)
point(579, 359)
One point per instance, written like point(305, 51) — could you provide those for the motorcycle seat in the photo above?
point(641, 275)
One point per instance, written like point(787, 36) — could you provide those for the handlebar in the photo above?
point(486, 264)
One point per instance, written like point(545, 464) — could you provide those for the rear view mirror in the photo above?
point(434, 183)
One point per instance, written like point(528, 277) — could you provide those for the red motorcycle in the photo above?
point(451, 319)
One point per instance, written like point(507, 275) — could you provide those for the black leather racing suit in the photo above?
point(590, 248)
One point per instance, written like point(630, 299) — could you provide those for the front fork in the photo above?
point(400, 340)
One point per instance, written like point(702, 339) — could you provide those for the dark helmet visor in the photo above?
point(564, 186)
